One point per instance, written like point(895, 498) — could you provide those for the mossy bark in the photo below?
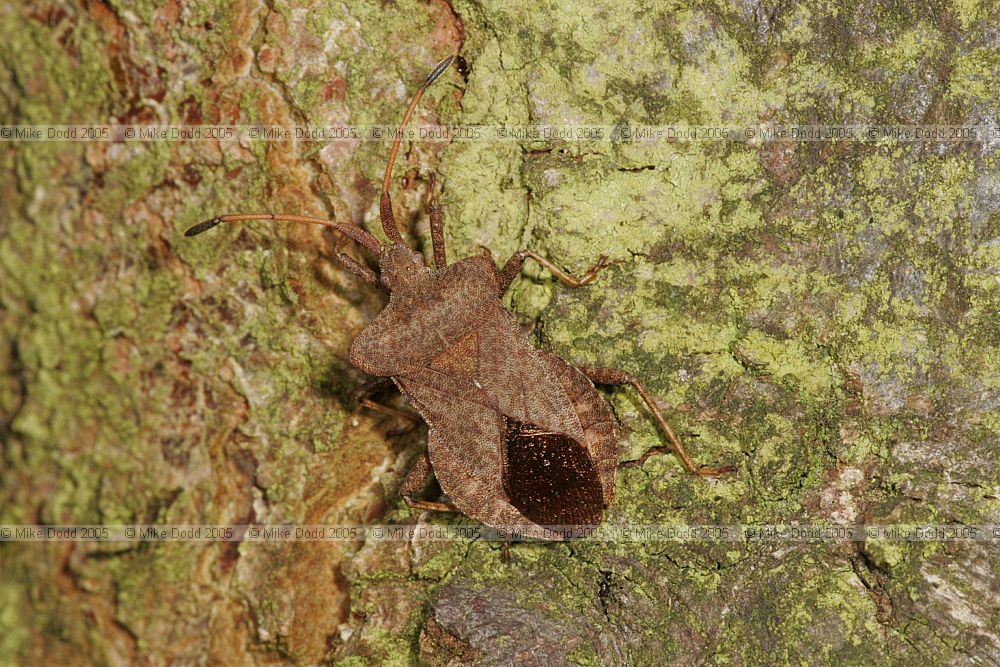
point(822, 314)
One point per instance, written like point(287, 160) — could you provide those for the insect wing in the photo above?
point(550, 477)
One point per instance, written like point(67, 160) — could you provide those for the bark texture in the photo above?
point(823, 314)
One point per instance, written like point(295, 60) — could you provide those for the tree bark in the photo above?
point(820, 313)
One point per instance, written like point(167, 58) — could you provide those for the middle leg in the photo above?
point(369, 390)
point(415, 481)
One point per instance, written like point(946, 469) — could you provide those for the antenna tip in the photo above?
point(202, 227)
point(439, 70)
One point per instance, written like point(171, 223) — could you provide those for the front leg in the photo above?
point(437, 228)
point(366, 275)
point(616, 376)
point(516, 261)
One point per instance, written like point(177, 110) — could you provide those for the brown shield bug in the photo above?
point(518, 438)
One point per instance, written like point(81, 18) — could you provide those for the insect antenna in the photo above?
point(388, 222)
point(350, 231)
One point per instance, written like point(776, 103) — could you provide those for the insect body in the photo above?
point(518, 438)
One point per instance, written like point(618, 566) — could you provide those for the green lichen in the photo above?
point(352, 661)
point(16, 633)
point(793, 312)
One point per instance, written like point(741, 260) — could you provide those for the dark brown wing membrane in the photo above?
point(549, 477)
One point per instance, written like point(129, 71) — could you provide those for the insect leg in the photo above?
point(415, 480)
point(374, 387)
point(350, 265)
point(616, 376)
point(437, 228)
point(516, 261)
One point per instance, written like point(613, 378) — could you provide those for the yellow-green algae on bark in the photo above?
point(822, 315)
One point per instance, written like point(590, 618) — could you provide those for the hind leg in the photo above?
point(616, 376)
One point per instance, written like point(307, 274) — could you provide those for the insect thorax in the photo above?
point(427, 312)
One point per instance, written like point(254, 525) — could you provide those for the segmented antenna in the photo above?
point(390, 230)
point(350, 231)
point(203, 227)
point(438, 70)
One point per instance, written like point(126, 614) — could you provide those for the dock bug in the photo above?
point(518, 438)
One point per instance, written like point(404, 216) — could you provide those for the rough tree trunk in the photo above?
point(822, 314)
